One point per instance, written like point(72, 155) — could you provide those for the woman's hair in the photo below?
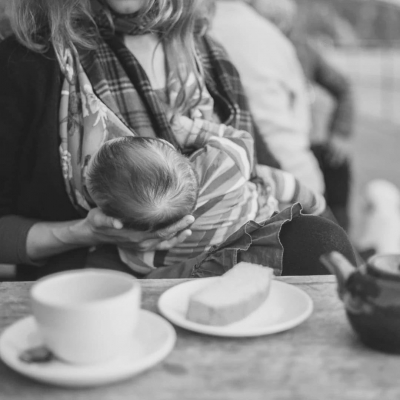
point(143, 182)
point(37, 23)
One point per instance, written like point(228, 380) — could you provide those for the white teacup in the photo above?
point(86, 316)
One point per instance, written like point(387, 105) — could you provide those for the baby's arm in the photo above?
point(229, 146)
point(223, 163)
point(287, 189)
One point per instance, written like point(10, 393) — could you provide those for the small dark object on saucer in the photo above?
point(39, 354)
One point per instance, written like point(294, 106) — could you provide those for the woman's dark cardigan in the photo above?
point(31, 183)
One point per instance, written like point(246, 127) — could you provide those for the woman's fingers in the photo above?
point(111, 230)
point(183, 235)
point(117, 224)
point(336, 158)
point(170, 231)
point(101, 221)
point(169, 244)
point(340, 149)
point(158, 244)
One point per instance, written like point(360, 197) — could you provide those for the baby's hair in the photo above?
point(144, 182)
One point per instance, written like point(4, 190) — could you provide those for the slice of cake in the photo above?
point(232, 297)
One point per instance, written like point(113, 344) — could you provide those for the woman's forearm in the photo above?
point(46, 239)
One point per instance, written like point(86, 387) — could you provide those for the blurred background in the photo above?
point(362, 39)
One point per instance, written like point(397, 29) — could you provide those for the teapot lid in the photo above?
point(385, 266)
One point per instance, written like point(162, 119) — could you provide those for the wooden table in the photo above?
point(320, 359)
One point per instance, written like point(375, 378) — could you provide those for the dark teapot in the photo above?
point(371, 295)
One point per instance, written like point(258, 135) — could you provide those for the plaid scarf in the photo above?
point(126, 82)
point(106, 93)
point(114, 70)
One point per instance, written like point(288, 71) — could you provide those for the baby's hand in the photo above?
point(181, 127)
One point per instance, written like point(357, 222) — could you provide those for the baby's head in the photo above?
point(143, 182)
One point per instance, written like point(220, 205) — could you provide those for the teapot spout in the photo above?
point(340, 266)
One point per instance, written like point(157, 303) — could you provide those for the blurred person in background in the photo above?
point(333, 149)
point(274, 84)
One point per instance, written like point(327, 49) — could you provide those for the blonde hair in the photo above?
point(63, 23)
point(39, 23)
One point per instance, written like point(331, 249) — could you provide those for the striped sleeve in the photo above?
point(224, 162)
point(237, 144)
point(287, 189)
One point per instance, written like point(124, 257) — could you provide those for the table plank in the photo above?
point(320, 359)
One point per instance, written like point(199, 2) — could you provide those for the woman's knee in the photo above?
point(306, 238)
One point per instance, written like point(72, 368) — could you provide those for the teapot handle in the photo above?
point(340, 266)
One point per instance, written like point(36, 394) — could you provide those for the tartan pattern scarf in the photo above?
point(122, 84)
point(106, 93)
point(114, 70)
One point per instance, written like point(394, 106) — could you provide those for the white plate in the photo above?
point(153, 340)
point(286, 307)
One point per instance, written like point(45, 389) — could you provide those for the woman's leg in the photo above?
point(306, 238)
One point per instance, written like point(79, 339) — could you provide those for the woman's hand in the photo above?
point(340, 150)
point(181, 127)
point(104, 229)
point(46, 239)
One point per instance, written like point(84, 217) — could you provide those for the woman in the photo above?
point(126, 59)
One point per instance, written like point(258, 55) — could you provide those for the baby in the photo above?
point(143, 182)
point(147, 184)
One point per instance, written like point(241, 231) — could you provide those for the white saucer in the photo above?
point(153, 340)
point(286, 307)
